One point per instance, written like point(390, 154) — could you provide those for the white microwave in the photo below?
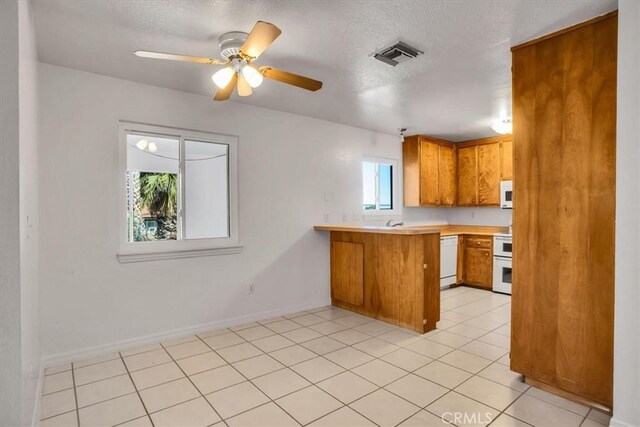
point(506, 194)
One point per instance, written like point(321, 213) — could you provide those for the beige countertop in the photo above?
point(444, 230)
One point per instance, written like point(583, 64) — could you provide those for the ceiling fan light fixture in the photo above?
point(252, 76)
point(222, 77)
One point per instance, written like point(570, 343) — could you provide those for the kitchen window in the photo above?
point(378, 181)
point(179, 196)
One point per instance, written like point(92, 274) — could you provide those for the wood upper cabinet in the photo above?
point(429, 166)
point(447, 175)
point(467, 176)
point(506, 160)
point(489, 174)
point(429, 178)
point(440, 173)
point(478, 261)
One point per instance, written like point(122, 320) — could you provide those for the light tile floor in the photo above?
point(324, 367)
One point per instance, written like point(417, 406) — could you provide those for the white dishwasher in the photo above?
point(448, 260)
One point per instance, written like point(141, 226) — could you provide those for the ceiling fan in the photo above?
point(239, 50)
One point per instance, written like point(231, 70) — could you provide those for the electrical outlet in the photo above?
point(327, 218)
point(344, 217)
point(252, 289)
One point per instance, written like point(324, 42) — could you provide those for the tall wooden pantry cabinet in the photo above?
point(564, 109)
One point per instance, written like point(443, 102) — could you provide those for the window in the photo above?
point(179, 192)
point(377, 185)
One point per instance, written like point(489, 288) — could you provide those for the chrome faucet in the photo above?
point(397, 224)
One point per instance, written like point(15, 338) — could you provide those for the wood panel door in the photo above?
point(347, 272)
point(506, 160)
point(564, 102)
point(429, 153)
point(447, 175)
point(478, 267)
point(489, 174)
point(467, 176)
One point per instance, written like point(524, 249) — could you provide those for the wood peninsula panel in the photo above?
point(401, 277)
point(564, 99)
point(467, 176)
point(347, 274)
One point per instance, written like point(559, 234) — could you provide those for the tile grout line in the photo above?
point(192, 383)
point(75, 394)
point(144, 406)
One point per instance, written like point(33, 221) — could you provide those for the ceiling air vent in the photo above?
point(399, 52)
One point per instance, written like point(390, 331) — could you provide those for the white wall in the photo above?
point(19, 325)
point(288, 166)
point(29, 212)
point(626, 378)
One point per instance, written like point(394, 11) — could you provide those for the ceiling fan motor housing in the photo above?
point(231, 42)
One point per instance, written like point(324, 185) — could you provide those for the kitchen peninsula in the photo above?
point(391, 273)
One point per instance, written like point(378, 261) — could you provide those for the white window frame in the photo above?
point(172, 249)
point(377, 213)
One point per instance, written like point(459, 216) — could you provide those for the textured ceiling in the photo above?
point(453, 91)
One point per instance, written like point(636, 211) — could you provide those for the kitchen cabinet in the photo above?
point(482, 164)
point(489, 174)
point(429, 158)
point(429, 166)
point(564, 176)
point(467, 176)
point(440, 173)
point(506, 160)
point(478, 261)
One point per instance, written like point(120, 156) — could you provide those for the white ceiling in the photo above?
point(453, 91)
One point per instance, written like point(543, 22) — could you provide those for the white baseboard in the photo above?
point(35, 418)
point(88, 352)
point(617, 423)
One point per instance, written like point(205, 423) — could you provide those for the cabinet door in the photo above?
point(467, 176)
point(428, 173)
point(347, 272)
point(478, 269)
point(447, 175)
point(489, 174)
point(506, 158)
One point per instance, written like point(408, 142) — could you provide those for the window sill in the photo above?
point(127, 258)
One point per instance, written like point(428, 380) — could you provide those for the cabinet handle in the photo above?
point(478, 242)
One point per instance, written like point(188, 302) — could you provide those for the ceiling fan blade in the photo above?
point(290, 78)
point(243, 87)
point(173, 57)
point(225, 93)
point(260, 38)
